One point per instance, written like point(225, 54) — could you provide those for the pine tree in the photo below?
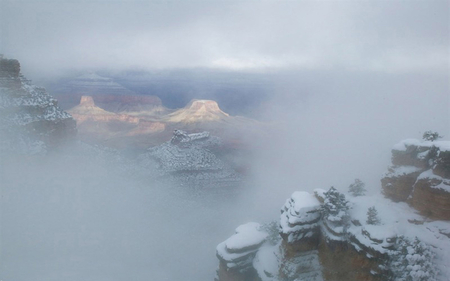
point(357, 188)
point(372, 216)
point(335, 207)
point(413, 261)
point(431, 136)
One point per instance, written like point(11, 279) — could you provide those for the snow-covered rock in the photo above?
point(421, 176)
point(30, 118)
point(236, 254)
point(300, 217)
point(192, 158)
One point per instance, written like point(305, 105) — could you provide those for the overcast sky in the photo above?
point(387, 36)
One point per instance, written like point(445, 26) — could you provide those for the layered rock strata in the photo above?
point(314, 248)
point(236, 254)
point(420, 175)
point(96, 124)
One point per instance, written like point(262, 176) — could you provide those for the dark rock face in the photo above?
point(442, 167)
point(420, 175)
point(341, 261)
point(29, 115)
point(399, 187)
point(9, 68)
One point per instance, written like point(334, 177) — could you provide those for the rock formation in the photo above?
point(97, 125)
point(326, 236)
point(194, 158)
point(198, 111)
point(420, 175)
point(236, 254)
point(30, 117)
point(143, 121)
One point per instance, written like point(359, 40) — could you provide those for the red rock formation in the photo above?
point(430, 200)
point(87, 101)
point(199, 111)
point(147, 127)
point(425, 180)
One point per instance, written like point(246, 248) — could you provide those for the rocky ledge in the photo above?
point(420, 175)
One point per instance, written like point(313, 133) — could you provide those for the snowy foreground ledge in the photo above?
point(240, 249)
point(313, 244)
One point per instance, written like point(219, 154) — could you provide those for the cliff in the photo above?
point(30, 117)
point(334, 236)
point(420, 175)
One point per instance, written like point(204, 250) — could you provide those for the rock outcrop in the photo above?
point(420, 175)
point(199, 115)
point(326, 236)
point(193, 158)
point(320, 239)
point(98, 125)
point(30, 117)
point(198, 111)
point(299, 222)
point(236, 254)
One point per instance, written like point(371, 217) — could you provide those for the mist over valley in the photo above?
point(224, 141)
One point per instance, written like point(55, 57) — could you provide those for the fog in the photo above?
point(348, 80)
point(394, 36)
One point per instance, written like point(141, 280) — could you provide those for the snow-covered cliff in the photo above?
point(30, 119)
point(420, 175)
point(334, 235)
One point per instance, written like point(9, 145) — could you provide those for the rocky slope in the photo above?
point(420, 176)
point(193, 158)
point(330, 235)
point(30, 117)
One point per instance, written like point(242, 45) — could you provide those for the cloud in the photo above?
point(394, 36)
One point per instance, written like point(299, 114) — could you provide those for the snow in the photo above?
point(267, 261)
point(443, 185)
point(304, 201)
point(396, 171)
point(398, 219)
point(240, 248)
point(320, 192)
point(300, 213)
point(247, 235)
point(189, 157)
point(403, 145)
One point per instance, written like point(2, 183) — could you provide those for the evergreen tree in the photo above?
point(335, 207)
point(372, 216)
point(431, 136)
point(357, 188)
point(413, 261)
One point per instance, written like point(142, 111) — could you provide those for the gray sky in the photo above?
point(386, 36)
